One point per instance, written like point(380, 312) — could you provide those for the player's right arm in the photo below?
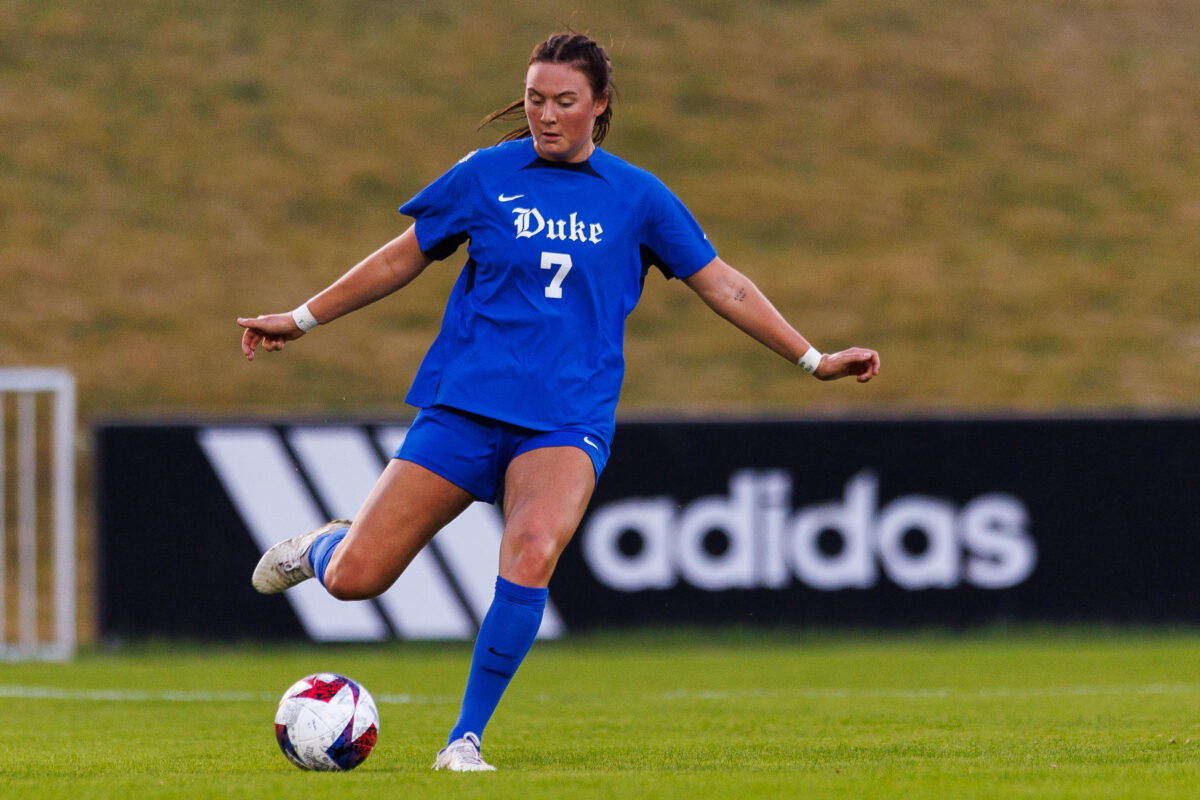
point(389, 268)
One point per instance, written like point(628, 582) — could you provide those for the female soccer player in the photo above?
point(517, 394)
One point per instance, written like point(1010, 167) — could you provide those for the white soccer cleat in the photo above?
point(286, 563)
point(462, 755)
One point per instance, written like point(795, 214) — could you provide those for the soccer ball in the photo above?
point(326, 722)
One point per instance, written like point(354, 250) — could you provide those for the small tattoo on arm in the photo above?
point(740, 296)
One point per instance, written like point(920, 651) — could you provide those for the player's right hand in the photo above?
point(272, 331)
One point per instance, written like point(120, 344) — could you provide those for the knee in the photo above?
point(533, 555)
point(346, 584)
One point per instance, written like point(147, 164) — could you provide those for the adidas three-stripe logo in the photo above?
point(286, 480)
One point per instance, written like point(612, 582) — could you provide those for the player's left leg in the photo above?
point(546, 491)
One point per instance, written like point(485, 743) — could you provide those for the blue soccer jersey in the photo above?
point(534, 328)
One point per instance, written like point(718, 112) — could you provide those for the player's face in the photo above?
point(561, 111)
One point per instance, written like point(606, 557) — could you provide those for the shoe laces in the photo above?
point(467, 748)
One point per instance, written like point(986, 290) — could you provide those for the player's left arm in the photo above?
point(735, 297)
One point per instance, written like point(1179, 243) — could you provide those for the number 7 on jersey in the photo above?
point(563, 262)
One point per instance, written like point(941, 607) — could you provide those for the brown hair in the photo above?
point(575, 50)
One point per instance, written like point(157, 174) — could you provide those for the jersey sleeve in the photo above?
point(672, 239)
point(442, 211)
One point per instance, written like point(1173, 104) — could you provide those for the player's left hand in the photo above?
point(858, 361)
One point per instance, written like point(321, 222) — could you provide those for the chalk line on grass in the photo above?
point(175, 696)
point(717, 695)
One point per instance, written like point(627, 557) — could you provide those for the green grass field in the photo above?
point(1046, 713)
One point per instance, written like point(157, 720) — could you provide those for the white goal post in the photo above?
point(37, 514)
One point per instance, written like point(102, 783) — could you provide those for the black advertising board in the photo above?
point(917, 522)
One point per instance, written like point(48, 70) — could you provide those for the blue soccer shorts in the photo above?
point(474, 452)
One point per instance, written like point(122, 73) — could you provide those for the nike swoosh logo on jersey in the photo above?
point(590, 443)
point(504, 198)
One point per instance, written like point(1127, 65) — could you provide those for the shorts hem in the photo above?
point(440, 471)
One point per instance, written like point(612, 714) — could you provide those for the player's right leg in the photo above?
point(408, 505)
point(290, 562)
point(404, 511)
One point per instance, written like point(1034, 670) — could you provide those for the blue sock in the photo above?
point(322, 550)
point(504, 638)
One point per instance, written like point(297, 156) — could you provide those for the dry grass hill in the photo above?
point(1002, 197)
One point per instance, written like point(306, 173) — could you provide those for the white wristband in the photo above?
point(810, 360)
point(304, 318)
